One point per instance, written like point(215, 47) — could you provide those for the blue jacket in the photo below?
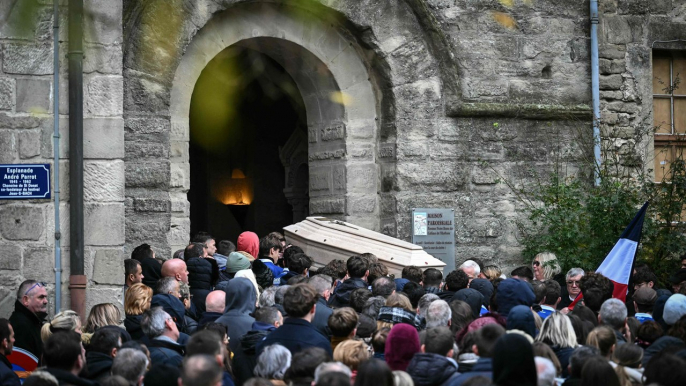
point(321, 317)
point(173, 307)
point(244, 359)
point(511, 293)
point(521, 318)
point(341, 296)
point(240, 304)
point(7, 375)
point(165, 352)
point(428, 369)
point(296, 334)
point(482, 367)
point(276, 270)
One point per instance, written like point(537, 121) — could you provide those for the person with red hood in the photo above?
point(401, 345)
point(248, 242)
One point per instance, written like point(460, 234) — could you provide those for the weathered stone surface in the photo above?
point(333, 132)
point(104, 224)
point(611, 82)
point(103, 96)
point(147, 226)
point(29, 144)
point(362, 178)
point(27, 59)
point(439, 176)
point(611, 51)
point(102, 59)
point(20, 122)
point(102, 21)
point(106, 264)
point(179, 203)
point(638, 7)
point(621, 107)
point(320, 179)
point(180, 175)
point(143, 94)
point(610, 95)
point(180, 229)
point(10, 257)
point(21, 222)
point(103, 294)
point(147, 125)
point(103, 138)
point(33, 95)
point(152, 205)
point(7, 86)
point(620, 29)
point(147, 175)
point(143, 150)
point(39, 264)
point(611, 66)
point(326, 206)
point(363, 204)
point(103, 181)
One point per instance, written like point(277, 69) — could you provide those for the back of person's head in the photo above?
point(596, 289)
point(374, 372)
point(376, 270)
point(62, 350)
point(358, 298)
point(401, 378)
point(130, 364)
point(193, 250)
point(219, 329)
point(628, 355)
point(461, 314)
point(299, 300)
point(115, 380)
point(383, 286)
point(225, 247)
point(579, 357)
point(432, 277)
point(41, 378)
point(373, 305)
point(200, 370)
point(544, 351)
point(523, 272)
point(598, 371)
point(304, 363)
point(357, 266)
point(439, 340)
point(414, 292)
point(137, 299)
point(486, 337)
point(321, 283)
point(539, 290)
point(66, 320)
point(648, 332)
point(424, 302)
point(267, 297)
point(552, 292)
point(333, 378)
point(162, 374)
point(438, 314)
point(585, 314)
point(456, 280)
point(379, 339)
point(336, 268)
point(153, 322)
point(142, 251)
point(268, 315)
point(104, 341)
point(603, 338)
point(166, 285)
point(557, 330)
point(665, 369)
point(330, 367)
point(342, 322)
point(412, 273)
point(351, 353)
point(298, 262)
point(613, 313)
point(399, 300)
point(546, 371)
point(273, 362)
point(204, 342)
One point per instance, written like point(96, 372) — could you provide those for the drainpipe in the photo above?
point(77, 278)
point(595, 89)
point(56, 151)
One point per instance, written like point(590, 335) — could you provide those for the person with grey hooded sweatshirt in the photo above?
point(240, 304)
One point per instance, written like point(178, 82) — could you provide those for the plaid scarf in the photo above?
point(399, 315)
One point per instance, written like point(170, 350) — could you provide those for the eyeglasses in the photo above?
point(536, 263)
point(573, 282)
point(38, 284)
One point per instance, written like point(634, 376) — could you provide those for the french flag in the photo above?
point(619, 263)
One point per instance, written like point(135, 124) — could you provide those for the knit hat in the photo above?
point(645, 296)
point(675, 308)
point(485, 287)
point(248, 256)
point(249, 242)
point(401, 345)
point(236, 262)
point(472, 297)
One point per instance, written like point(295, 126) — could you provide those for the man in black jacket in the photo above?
point(64, 357)
point(150, 267)
point(434, 365)
point(267, 319)
point(322, 284)
point(101, 352)
point(30, 311)
point(358, 270)
point(7, 376)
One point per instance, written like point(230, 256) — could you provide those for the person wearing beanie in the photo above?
point(401, 346)
point(236, 262)
point(248, 242)
point(675, 308)
point(522, 318)
point(511, 293)
point(485, 287)
point(472, 297)
point(644, 300)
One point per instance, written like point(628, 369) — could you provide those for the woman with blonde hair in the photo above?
point(398, 309)
point(66, 320)
point(557, 332)
point(545, 266)
point(136, 302)
point(351, 353)
point(603, 338)
point(103, 314)
point(492, 272)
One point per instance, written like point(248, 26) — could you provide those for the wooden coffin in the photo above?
point(324, 240)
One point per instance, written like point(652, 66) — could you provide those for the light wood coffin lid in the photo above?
point(324, 240)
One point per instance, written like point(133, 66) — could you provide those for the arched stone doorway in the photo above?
point(339, 100)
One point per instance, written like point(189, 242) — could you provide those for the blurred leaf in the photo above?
point(505, 20)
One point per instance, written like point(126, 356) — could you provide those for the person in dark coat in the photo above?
point(64, 359)
point(484, 344)
point(454, 281)
point(151, 268)
point(297, 332)
point(101, 352)
point(173, 306)
point(240, 304)
point(511, 293)
point(267, 319)
point(434, 365)
point(30, 311)
point(214, 306)
point(163, 336)
point(297, 264)
point(521, 318)
point(322, 284)
point(513, 361)
point(358, 270)
point(7, 376)
point(203, 274)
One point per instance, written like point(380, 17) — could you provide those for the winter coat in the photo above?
point(152, 271)
point(563, 355)
point(240, 304)
point(446, 295)
point(163, 351)
point(511, 293)
point(341, 297)
point(99, 365)
point(208, 317)
point(65, 378)
point(296, 334)
point(203, 274)
point(244, 359)
point(133, 326)
point(7, 376)
point(321, 317)
point(286, 276)
point(661, 344)
point(27, 327)
point(173, 306)
point(427, 369)
point(483, 367)
point(513, 360)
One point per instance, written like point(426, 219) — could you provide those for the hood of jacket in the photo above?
point(199, 273)
point(248, 242)
point(341, 297)
point(152, 271)
point(99, 364)
point(472, 297)
point(427, 369)
point(511, 293)
point(521, 318)
point(173, 307)
point(240, 296)
point(250, 340)
point(485, 287)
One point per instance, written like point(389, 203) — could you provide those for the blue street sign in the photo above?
point(24, 181)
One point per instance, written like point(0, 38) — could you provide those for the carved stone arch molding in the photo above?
point(364, 69)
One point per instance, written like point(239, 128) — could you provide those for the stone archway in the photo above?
point(334, 82)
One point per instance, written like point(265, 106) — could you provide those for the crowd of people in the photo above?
point(258, 313)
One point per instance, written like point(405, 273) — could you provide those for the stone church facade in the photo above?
point(409, 103)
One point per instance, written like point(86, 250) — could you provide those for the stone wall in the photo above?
point(27, 227)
